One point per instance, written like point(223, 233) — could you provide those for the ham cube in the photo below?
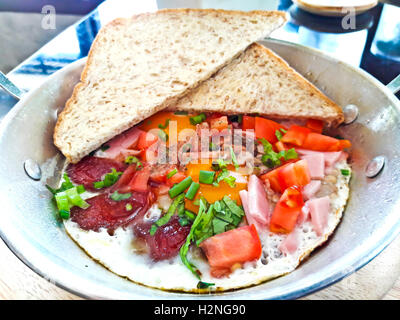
point(291, 243)
point(316, 165)
point(258, 204)
point(250, 219)
point(319, 211)
point(311, 189)
point(330, 158)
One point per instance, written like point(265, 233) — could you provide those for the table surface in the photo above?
point(373, 44)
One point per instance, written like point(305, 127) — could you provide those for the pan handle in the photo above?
point(394, 85)
point(10, 87)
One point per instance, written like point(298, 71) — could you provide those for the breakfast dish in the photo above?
point(228, 182)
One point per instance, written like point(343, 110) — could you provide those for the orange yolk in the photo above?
point(208, 191)
point(182, 121)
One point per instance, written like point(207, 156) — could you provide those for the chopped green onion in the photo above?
point(165, 125)
point(278, 135)
point(153, 229)
point(75, 198)
point(64, 214)
point(133, 159)
point(162, 135)
point(128, 207)
point(191, 193)
point(180, 187)
point(206, 177)
point(109, 179)
point(171, 173)
point(345, 172)
point(197, 119)
point(230, 181)
point(171, 211)
point(116, 196)
point(234, 160)
point(190, 215)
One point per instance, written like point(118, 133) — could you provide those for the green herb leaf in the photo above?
point(230, 181)
point(278, 135)
point(181, 113)
point(165, 125)
point(197, 119)
point(204, 285)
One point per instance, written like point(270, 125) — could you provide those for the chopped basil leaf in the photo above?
point(177, 204)
point(116, 196)
point(128, 207)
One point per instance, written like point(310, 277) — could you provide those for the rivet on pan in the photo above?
point(350, 113)
point(375, 166)
point(32, 169)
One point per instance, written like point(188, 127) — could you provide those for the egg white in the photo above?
point(119, 254)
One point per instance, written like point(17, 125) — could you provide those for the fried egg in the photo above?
point(120, 254)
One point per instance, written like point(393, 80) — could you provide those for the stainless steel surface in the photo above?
point(32, 169)
point(10, 87)
point(31, 229)
point(375, 166)
point(350, 113)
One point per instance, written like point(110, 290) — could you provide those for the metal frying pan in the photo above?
point(29, 225)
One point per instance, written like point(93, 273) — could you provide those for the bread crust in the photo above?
point(121, 21)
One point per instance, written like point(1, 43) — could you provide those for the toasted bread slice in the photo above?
point(143, 64)
point(259, 81)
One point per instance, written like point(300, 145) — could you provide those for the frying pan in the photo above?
point(30, 227)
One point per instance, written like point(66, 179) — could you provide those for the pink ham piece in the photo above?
point(122, 142)
point(319, 211)
point(291, 243)
point(304, 214)
point(316, 165)
point(259, 208)
point(250, 219)
point(311, 189)
point(330, 158)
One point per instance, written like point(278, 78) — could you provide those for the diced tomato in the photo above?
point(176, 178)
point(294, 174)
point(140, 180)
point(287, 210)
point(296, 135)
point(146, 140)
point(219, 123)
point(315, 125)
point(320, 142)
point(266, 129)
point(232, 247)
point(248, 123)
point(122, 185)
